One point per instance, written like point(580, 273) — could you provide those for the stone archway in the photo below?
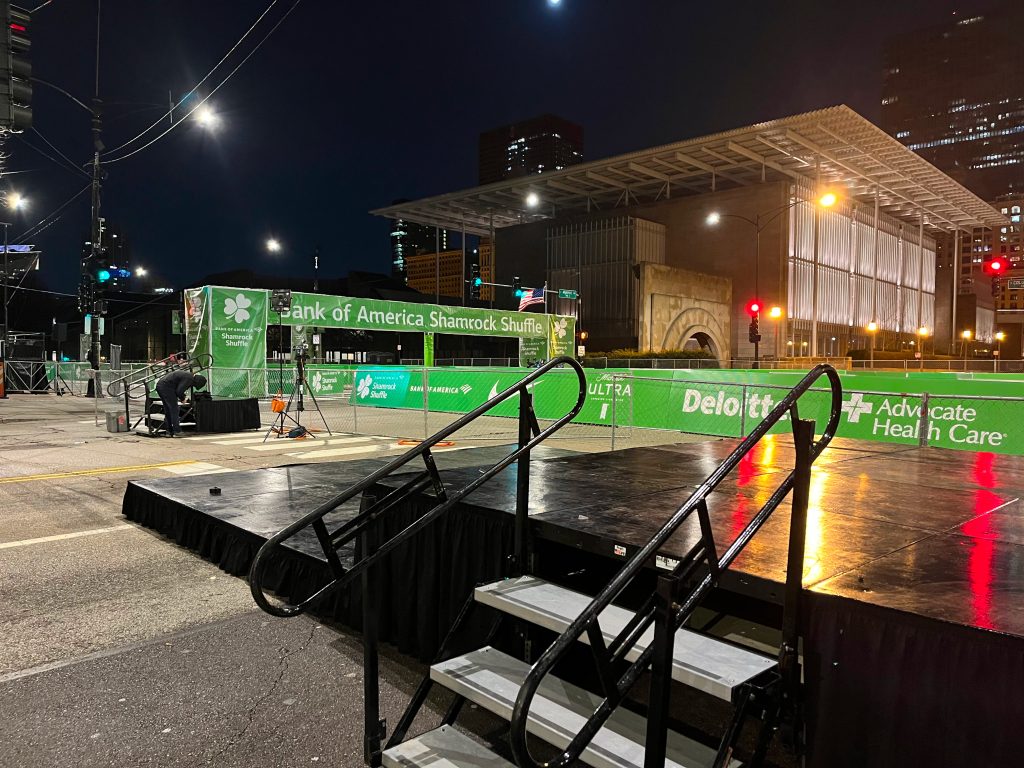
point(700, 326)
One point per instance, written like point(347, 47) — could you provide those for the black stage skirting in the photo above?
point(227, 415)
point(914, 619)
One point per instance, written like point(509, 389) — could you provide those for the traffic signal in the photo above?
point(517, 287)
point(753, 333)
point(15, 69)
point(475, 281)
point(995, 269)
point(753, 307)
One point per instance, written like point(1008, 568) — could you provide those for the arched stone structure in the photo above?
point(679, 305)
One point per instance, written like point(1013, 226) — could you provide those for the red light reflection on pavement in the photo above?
point(982, 552)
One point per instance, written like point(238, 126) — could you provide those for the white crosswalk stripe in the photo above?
point(197, 468)
point(284, 444)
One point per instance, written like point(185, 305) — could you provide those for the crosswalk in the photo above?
point(322, 446)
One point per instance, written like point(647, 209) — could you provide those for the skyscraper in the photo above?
point(545, 143)
point(409, 239)
point(954, 93)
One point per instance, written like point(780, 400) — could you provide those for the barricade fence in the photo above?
point(624, 408)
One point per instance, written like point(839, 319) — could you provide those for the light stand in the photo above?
point(301, 388)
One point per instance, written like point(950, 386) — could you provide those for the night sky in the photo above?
point(350, 105)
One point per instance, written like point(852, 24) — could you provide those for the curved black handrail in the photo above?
point(547, 660)
point(315, 517)
point(145, 375)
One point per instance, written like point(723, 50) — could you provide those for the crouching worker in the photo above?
point(172, 388)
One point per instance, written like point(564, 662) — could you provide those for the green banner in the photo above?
point(238, 341)
point(377, 315)
point(671, 400)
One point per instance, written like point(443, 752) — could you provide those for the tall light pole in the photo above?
point(14, 202)
point(872, 330)
point(966, 336)
point(1000, 338)
point(760, 222)
point(922, 334)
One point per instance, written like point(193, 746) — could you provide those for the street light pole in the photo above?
point(7, 327)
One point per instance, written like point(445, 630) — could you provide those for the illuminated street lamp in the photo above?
point(273, 245)
point(760, 222)
point(532, 200)
point(872, 329)
point(775, 313)
point(15, 202)
point(140, 271)
point(207, 118)
point(922, 334)
point(966, 336)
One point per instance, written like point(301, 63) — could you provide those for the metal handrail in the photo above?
point(144, 375)
point(696, 503)
point(348, 531)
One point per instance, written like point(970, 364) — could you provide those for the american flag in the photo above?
point(531, 296)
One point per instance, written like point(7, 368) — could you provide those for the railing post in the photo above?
point(426, 403)
point(373, 727)
point(614, 413)
point(661, 674)
point(789, 656)
point(522, 532)
point(743, 412)
point(923, 426)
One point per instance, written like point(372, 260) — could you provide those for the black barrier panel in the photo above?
point(26, 377)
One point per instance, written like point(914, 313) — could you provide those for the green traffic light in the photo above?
point(478, 282)
point(102, 276)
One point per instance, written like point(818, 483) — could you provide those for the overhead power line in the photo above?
point(48, 219)
point(170, 112)
point(66, 166)
point(54, 147)
point(212, 92)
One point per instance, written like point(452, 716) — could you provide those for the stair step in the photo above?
point(699, 661)
point(444, 747)
point(492, 680)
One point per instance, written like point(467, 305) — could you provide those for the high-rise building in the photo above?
point(954, 93)
point(446, 276)
point(409, 239)
point(545, 143)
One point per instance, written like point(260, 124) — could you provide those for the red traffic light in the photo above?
point(995, 266)
point(753, 307)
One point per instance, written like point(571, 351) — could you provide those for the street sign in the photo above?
point(567, 294)
point(1015, 284)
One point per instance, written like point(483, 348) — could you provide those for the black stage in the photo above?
point(914, 624)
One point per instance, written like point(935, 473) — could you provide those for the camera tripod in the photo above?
point(284, 415)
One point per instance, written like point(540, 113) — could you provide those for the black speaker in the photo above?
point(281, 299)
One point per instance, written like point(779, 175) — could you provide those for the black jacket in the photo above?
point(178, 381)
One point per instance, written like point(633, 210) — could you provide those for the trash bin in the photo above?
point(116, 422)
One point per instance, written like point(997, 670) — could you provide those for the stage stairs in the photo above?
point(138, 384)
point(605, 724)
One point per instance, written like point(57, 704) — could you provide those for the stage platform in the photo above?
point(914, 622)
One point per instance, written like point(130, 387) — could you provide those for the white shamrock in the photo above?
point(317, 382)
point(237, 308)
point(560, 328)
point(363, 387)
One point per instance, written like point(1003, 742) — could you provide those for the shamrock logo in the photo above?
point(237, 308)
point(363, 387)
point(560, 327)
point(317, 382)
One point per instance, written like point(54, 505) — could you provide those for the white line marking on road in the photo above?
point(286, 443)
point(342, 451)
point(63, 536)
point(197, 468)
